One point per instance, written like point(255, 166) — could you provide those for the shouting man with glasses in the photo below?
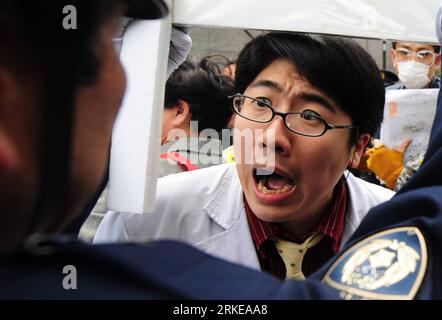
point(309, 105)
point(416, 65)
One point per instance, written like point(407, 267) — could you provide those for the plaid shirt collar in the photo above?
point(331, 225)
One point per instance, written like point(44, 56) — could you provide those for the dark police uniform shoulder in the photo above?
point(157, 270)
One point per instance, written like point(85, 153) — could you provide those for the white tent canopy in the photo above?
point(406, 20)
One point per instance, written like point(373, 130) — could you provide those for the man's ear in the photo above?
point(437, 61)
point(9, 159)
point(231, 122)
point(358, 150)
point(393, 59)
point(182, 114)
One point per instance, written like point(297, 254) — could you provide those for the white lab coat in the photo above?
point(205, 208)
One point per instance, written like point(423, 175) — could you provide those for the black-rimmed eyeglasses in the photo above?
point(303, 123)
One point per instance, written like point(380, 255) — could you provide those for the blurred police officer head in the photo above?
point(61, 86)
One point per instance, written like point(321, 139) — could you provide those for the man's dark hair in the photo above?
point(205, 89)
point(339, 67)
point(221, 60)
point(436, 48)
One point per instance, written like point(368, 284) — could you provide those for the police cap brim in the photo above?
point(145, 9)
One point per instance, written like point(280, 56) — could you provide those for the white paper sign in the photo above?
point(409, 114)
point(136, 137)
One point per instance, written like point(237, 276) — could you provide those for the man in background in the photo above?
point(416, 65)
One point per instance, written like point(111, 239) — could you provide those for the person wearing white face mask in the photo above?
point(416, 65)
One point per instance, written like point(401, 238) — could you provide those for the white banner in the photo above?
point(409, 114)
point(136, 137)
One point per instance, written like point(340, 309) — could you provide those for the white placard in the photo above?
point(409, 114)
point(137, 131)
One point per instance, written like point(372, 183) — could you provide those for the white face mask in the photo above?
point(413, 74)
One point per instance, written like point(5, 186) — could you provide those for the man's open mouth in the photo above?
point(273, 183)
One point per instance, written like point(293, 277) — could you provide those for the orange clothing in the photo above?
point(386, 163)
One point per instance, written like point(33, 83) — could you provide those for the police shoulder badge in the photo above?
point(387, 265)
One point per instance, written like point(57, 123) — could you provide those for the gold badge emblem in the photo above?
point(388, 265)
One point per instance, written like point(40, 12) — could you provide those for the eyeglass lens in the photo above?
point(259, 111)
point(423, 56)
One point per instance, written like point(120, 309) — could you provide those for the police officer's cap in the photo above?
point(145, 9)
